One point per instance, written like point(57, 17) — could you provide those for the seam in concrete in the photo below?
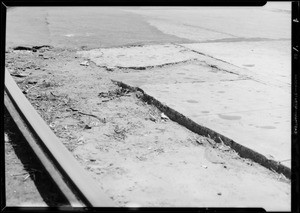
point(243, 151)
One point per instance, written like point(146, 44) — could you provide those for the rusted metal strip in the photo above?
point(78, 187)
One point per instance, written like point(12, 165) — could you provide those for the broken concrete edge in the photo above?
point(32, 48)
point(179, 118)
point(149, 66)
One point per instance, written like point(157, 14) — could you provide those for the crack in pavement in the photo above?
point(151, 66)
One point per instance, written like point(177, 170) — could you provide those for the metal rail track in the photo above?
point(75, 184)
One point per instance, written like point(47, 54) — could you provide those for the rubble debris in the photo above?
point(26, 90)
point(45, 57)
point(32, 82)
point(20, 75)
point(84, 63)
point(113, 94)
point(110, 69)
point(164, 117)
point(120, 132)
point(103, 120)
point(199, 141)
point(141, 158)
point(152, 118)
point(33, 48)
point(87, 127)
point(52, 125)
point(27, 176)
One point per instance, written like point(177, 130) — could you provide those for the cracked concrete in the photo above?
point(239, 104)
point(140, 57)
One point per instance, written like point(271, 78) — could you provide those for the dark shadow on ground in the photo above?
point(48, 190)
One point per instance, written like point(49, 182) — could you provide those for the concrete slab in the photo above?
point(261, 123)
point(237, 103)
point(253, 114)
point(268, 61)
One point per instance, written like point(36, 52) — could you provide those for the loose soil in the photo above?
point(27, 182)
point(138, 157)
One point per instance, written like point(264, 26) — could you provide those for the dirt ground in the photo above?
point(139, 157)
point(27, 182)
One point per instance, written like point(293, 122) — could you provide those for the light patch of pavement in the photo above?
point(268, 61)
point(193, 72)
point(203, 24)
point(245, 111)
point(139, 57)
point(230, 100)
point(188, 31)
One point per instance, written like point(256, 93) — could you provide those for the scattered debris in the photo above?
point(139, 94)
point(152, 118)
point(32, 82)
point(103, 120)
point(87, 127)
point(114, 94)
point(52, 125)
point(110, 69)
point(212, 156)
point(141, 158)
point(120, 133)
point(27, 176)
point(84, 63)
point(21, 174)
point(199, 141)
point(26, 90)
point(20, 75)
point(164, 117)
point(45, 57)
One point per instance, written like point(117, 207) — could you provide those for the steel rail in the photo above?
point(80, 189)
